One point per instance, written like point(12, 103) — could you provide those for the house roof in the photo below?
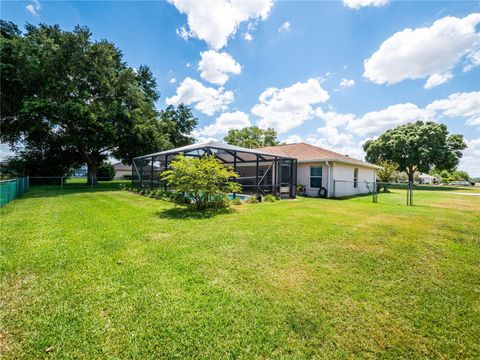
point(122, 167)
point(309, 153)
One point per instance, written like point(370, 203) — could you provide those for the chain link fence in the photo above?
point(12, 188)
point(55, 185)
point(410, 194)
point(377, 192)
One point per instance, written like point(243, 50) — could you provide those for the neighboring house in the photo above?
point(121, 170)
point(339, 175)
point(428, 179)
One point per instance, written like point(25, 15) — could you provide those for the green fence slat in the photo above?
point(11, 189)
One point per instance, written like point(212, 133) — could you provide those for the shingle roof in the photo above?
point(122, 167)
point(306, 152)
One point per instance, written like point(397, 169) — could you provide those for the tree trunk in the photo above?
point(91, 174)
point(411, 174)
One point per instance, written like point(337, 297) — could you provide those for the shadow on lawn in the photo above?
point(188, 213)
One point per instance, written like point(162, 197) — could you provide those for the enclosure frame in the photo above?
point(270, 173)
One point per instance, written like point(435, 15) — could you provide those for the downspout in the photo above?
point(329, 180)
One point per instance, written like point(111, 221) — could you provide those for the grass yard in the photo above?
point(105, 273)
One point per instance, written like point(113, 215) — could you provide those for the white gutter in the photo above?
point(358, 163)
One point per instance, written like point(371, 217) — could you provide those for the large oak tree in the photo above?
point(418, 146)
point(62, 86)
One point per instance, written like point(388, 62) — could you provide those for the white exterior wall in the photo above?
point(343, 174)
point(119, 173)
point(303, 176)
point(340, 171)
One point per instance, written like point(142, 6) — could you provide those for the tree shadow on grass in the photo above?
point(189, 213)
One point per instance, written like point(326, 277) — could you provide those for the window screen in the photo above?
point(316, 177)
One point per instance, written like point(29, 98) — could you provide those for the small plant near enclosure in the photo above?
point(252, 200)
point(204, 181)
point(236, 201)
point(269, 198)
point(300, 189)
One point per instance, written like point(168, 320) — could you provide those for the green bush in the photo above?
point(269, 198)
point(204, 181)
point(236, 201)
point(252, 200)
point(180, 198)
point(105, 172)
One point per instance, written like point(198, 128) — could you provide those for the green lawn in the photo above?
point(105, 273)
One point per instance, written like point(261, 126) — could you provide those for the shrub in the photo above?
point(269, 198)
point(236, 201)
point(252, 200)
point(204, 181)
point(126, 187)
point(105, 172)
point(179, 198)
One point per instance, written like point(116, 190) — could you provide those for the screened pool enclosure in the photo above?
point(259, 172)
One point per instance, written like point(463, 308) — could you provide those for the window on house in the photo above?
point(316, 177)
point(355, 178)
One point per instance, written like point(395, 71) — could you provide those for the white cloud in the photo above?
point(5, 151)
point(333, 118)
point(287, 108)
point(285, 27)
point(346, 83)
point(437, 79)
point(470, 162)
point(206, 99)
point(173, 81)
point(473, 59)
point(421, 52)
point(376, 122)
point(247, 36)
point(349, 148)
point(223, 123)
point(34, 8)
point(293, 139)
point(334, 137)
point(215, 67)
point(357, 4)
point(459, 105)
point(214, 21)
point(183, 33)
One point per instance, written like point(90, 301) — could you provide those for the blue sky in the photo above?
point(331, 73)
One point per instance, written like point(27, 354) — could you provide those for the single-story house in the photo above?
point(335, 174)
point(429, 179)
point(121, 170)
point(276, 170)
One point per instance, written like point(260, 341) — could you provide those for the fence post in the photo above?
point(411, 194)
point(61, 183)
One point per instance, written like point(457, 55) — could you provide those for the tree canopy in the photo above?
point(252, 137)
point(178, 124)
point(62, 87)
point(417, 147)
